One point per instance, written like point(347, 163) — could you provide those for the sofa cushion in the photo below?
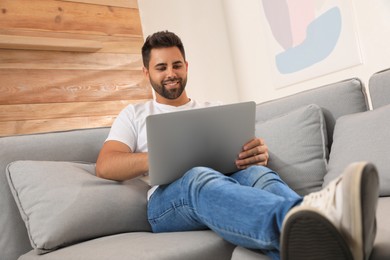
point(362, 137)
point(379, 85)
point(297, 144)
point(63, 203)
point(193, 245)
point(80, 145)
point(241, 253)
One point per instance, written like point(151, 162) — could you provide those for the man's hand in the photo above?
point(255, 152)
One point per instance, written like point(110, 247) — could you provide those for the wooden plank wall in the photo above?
point(44, 91)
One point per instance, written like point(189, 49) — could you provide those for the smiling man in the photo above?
point(261, 207)
point(168, 81)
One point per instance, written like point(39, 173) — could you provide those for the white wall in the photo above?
point(225, 46)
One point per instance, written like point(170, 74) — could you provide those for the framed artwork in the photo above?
point(310, 38)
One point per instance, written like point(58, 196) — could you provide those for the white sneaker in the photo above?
point(337, 222)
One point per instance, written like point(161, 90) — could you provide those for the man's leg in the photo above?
point(204, 198)
point(265, 179)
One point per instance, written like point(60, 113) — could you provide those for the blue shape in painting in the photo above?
point(322, 36)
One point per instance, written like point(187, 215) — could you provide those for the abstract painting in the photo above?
point(310, 38)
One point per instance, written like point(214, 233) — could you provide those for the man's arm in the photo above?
point(255, 152)
point(117, 162)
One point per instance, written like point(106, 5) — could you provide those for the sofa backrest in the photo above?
point(337, 99)
point(79, 145)
point(379, 87)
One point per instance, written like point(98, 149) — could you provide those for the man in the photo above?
point(262, 210)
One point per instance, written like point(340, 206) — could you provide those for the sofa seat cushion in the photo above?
point(241, 253)
point(362, 137)
point(63, 203)
point(144, 245)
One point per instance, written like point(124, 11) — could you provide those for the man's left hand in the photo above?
point(255, 152)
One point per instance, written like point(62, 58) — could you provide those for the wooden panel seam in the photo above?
point(24, 59)
point(48, 43)
point(52, 86)
point(50, 125)
point(63, 110)
point(117, 3)
point(130, 44)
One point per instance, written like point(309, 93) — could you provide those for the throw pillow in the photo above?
point(297, 146)
point(362, 137)
point(63, 203)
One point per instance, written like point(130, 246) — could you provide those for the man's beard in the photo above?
point(169, 93)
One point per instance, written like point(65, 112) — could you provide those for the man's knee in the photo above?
point(254, 175)
point(263, 171)
point(201, 176)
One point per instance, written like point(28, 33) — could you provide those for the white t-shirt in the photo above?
point(130, 125)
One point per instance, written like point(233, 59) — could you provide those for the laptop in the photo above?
point(211, 137)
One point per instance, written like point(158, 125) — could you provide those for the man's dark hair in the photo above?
point(163, 39)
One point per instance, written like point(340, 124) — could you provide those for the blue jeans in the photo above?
point(246, 208)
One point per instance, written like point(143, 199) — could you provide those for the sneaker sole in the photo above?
point(307, 235)
point(362, 206)
point(370, 195)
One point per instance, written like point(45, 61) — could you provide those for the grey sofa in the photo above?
point(53, 207)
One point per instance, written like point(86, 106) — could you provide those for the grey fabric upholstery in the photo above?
point(362, 137)
point(302, 168)
point(81, 206)
point(241, 253)
point(381, 249)
point(81, 145)
point(337, 99)
point(205, 245)
point(379, 86)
